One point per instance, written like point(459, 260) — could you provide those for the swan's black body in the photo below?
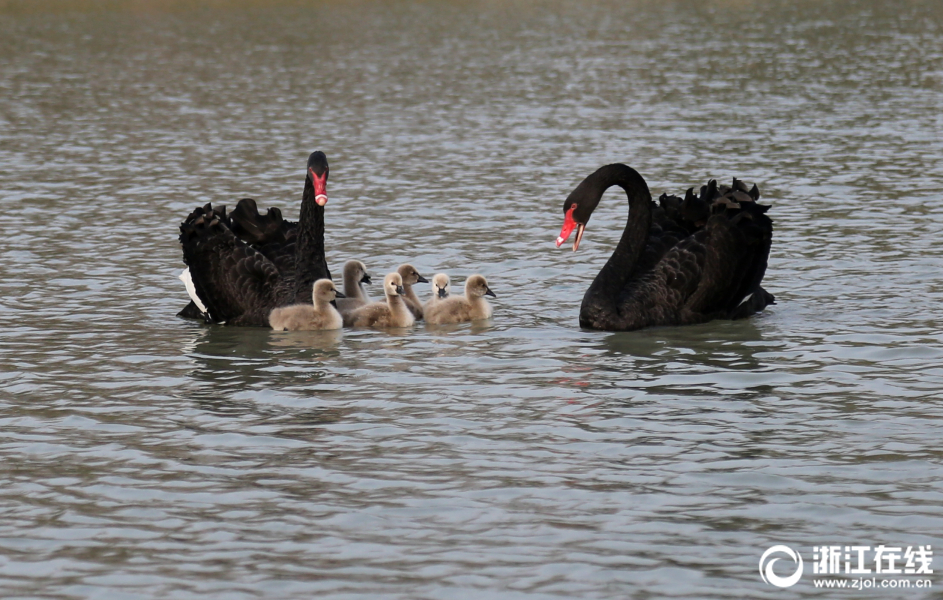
point(679, 262)
point(245, 264)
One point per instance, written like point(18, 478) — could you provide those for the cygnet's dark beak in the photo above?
point(365, 278)
point(400, 290)
point(421, 279)
point(488, 292)
point(338, 294)
point(443, 293)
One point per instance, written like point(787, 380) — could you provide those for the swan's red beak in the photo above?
point(320, 187)
point(569, 223)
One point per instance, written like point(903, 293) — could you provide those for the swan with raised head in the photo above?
point(242, 265)
point(679, 262)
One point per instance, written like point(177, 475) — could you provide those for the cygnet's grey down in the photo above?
point(460, 309)
point(440, 290)
point(392, 313)
point(355, 278)
point(411, 277)
point(305, 317)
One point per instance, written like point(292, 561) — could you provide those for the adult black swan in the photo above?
point(242, 265)
point(679, 262)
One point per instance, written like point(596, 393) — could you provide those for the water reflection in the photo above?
point(446, 329)
point(325, 343)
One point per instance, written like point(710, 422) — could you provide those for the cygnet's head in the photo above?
point(393, 285)
point(440, 285)
point(324, 290)
point(476, 286)
point(356, 271)
point(410, 275)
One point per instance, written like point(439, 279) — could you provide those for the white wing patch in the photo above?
point(191, 290)
point(750, 295)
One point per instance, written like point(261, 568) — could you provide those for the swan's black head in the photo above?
point(583, 200)
point(318, 172)
point(578, 208)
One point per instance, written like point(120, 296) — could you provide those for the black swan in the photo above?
point(679, 262)
point(242, 265)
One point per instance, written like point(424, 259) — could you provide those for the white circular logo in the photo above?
point(767, 572)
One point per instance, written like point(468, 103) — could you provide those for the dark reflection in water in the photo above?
point(729, 343)
point(143, 456)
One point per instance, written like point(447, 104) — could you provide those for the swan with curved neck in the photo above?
point(679, 272)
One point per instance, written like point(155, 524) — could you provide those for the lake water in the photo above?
point(143, 456)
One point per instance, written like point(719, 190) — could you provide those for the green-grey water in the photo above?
point(143, 456)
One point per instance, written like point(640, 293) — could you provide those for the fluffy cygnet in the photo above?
point(355, 276)
point(440, 290)
point(305, 317)
point(411, 277)
point(459, 309)
point(392, 313)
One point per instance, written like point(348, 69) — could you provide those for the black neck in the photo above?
point(612, 278)
point(310, 262)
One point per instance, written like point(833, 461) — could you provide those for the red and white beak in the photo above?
point(320, 187)
point(569, 223)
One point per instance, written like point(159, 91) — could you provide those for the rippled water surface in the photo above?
point(144, 456)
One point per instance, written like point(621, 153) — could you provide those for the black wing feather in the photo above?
point(235, 282)
point(703, 255)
